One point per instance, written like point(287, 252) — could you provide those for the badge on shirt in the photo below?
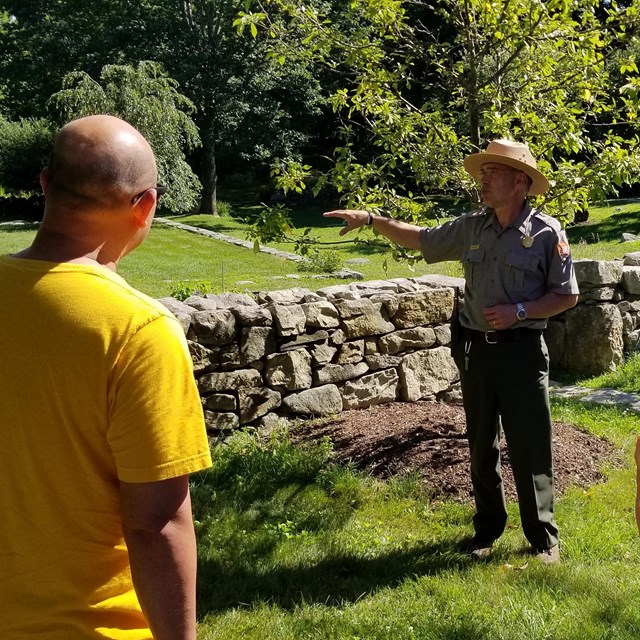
point(527, 242)
point(563, 250)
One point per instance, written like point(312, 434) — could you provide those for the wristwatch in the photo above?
point(521, 312)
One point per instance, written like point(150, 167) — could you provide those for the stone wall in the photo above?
point(298, 353)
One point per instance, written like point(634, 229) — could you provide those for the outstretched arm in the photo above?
point(402, 233)
point(158, 529)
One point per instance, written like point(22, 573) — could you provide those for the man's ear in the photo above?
point(143, 208)
point(44, 179)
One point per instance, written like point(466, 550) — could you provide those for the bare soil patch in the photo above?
point(429, 438)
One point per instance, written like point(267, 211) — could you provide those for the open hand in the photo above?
point(353, 217)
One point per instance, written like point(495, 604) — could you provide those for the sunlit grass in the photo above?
point(336, 554)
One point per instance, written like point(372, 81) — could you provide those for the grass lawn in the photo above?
point(293, 547)
point(171, 260)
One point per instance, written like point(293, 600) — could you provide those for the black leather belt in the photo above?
point(495, 337)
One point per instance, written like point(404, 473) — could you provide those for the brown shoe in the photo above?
point(549, 556)
point(478, 548)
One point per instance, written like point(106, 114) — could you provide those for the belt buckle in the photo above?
point(487, 336)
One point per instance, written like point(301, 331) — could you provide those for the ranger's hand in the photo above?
point(353, 217)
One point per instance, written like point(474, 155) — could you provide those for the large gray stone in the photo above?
point(213, 328)
point(231, 300)
point(333, 373)
point(431, 306)
point(597, 272)
point(362, 318)
point(229, 380)
point(175, 306)
point(631, 259)
point(202, 357)
point(221, 402)
point(594, 338)
point(290, 371)
point(350, 352)
point(221, 421)
point(406, 339)
point(322, 354)
point(201, 303)
point(255, 343)
point(289, 320)
point(631, 279)
point(427, 373)
point(321, 401)
point(252, 316)
point(375, 388)
point(285, 296)
point(321, 314)
point(256, 402)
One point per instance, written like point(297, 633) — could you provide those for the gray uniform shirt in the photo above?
point(503, 266)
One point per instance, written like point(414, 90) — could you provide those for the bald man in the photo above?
point(100, 418)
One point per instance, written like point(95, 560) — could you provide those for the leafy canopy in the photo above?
point(145, 97)
point(419, 86)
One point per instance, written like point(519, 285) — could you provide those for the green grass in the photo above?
point(292, 546)
point(170, 259)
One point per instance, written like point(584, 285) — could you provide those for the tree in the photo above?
point(150, 101)
point(423, 85)
point(23, 153)
point(247, 107)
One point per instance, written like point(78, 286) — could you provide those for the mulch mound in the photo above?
point(428, 438)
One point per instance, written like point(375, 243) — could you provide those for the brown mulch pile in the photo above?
point(429, 438)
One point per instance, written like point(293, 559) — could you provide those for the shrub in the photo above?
point(24, 151)
point(183, 290)
point(320, 262)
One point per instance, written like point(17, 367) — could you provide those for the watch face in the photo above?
point(521, 315)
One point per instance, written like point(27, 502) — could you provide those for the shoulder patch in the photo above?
point(563, 250)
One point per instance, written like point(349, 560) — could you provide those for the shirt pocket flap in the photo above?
point(474, 256)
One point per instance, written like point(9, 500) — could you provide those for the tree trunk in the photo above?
point(209, 178)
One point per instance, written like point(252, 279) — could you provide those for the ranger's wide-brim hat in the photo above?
point(513, 154)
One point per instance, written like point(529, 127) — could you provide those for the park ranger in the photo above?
point(518, 273)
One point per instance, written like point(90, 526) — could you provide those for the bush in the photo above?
point(24, 151)
point(183, 290)
point(320, 262)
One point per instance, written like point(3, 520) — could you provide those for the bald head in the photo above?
point(99, 162)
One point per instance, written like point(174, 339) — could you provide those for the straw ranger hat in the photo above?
point(513, 154)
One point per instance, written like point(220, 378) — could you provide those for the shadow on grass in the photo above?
point(609, 230)
point(334, 581)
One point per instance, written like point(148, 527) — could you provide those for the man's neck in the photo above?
point(51, 246)
point(507, 214)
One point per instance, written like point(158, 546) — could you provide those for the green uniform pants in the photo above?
point(505, 385)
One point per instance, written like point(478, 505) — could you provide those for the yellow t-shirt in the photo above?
point(96, 386)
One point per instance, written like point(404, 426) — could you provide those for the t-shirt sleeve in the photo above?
point(156, 426)
point(562, 277)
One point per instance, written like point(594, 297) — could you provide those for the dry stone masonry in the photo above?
point(298, 353)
